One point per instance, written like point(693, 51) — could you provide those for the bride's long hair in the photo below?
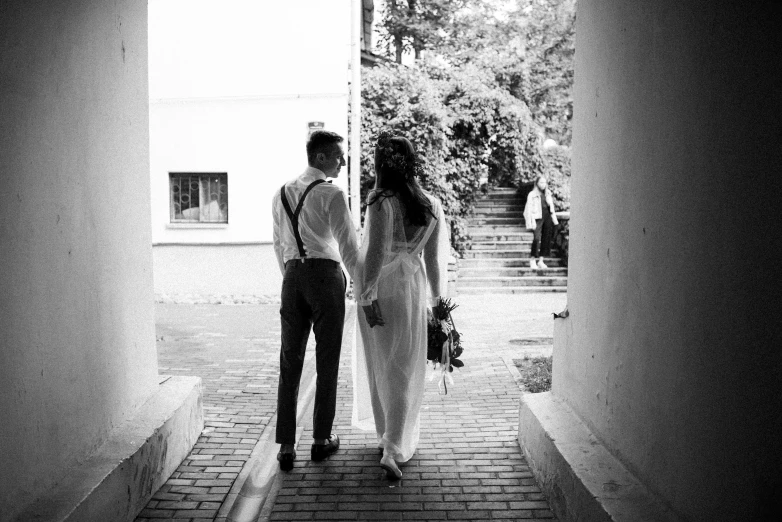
point(397, 167)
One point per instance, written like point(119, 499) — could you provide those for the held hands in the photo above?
point(373, 315)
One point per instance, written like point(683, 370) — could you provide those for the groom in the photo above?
point(313, 231)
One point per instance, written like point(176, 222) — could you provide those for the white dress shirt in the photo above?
point(325, 225)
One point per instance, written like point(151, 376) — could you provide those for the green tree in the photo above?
point(464, 127)
point(549, 28)
point(528, 49)
point(496, 76)
point(416, 25)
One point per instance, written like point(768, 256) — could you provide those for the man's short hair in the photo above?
point(322, 141)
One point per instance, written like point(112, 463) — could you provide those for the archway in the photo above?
point(653, 356)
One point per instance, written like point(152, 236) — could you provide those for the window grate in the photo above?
point(199, 197)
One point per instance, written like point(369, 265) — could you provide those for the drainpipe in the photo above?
point(354, 190)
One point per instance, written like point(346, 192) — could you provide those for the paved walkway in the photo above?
point(468, 465)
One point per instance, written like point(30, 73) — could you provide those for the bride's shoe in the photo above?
point(392, 470)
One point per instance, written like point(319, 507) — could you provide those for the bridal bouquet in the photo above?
point(443, 341)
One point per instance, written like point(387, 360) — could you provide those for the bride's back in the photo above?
point(406, 235)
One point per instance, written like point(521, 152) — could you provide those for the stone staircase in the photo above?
point(498, 260)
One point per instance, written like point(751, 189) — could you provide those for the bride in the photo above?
point(406, 245)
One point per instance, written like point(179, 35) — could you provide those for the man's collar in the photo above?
point(311, 173)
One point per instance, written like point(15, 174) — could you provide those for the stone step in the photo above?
point(465, 272)
point(501, 196)
point(512, 281)
point(498, 196)
point(492, 237)
point(488, 290)
point(503, 199)
point(503, 237)
point(479, 254)
point(497, 209)
point(482, 213)
point(500, 262)
point(501, 245)
point(496, 229)
point(499, 202)
point(495, 220)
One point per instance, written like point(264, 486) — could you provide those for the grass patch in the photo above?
point(535, 373)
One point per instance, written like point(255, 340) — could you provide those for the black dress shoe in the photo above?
point(286, 460)
point(323, 451)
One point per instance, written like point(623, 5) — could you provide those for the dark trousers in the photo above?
point(541, 239)
point(313, 297)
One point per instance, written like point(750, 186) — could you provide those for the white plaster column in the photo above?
point(77, 350)
point(670, 358)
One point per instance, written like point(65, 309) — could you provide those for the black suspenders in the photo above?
point(294, 216)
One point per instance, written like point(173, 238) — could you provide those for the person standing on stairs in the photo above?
point(540, 216)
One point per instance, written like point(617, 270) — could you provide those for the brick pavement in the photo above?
point(468, 465)
point(235, 350)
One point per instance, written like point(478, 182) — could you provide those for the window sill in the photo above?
point(197, 225)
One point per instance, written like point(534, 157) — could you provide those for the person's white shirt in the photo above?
point(325, 224)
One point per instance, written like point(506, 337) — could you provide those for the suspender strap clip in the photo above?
point(294, 215)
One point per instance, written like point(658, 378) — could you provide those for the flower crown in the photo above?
point(394, 160)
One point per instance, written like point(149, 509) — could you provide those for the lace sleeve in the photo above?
point(378, 235)
point(437, 252)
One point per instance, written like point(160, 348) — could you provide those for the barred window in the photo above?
point(199, 197)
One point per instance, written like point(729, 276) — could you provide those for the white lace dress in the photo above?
point(395, 263)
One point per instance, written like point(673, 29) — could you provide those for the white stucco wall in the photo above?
point(186, 273)
point(233, 85)
point(77, 350)
point(259, 142)
point(671, 352)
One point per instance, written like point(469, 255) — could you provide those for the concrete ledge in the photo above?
point(118, 480)
point(582, 480)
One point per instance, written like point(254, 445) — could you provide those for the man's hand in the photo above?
point(373, 315)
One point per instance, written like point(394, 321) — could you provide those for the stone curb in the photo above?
point(253, 487)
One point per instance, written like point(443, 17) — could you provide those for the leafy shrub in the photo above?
point(410, 104)
point(562, 240)
point(460, 122)
point(557, 170)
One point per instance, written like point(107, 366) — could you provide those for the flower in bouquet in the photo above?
point(444, 344)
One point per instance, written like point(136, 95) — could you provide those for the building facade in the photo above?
point(234, 93)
